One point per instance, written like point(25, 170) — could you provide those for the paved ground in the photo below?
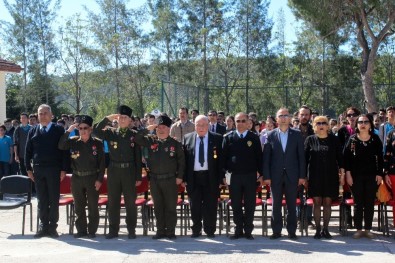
point(17, 248)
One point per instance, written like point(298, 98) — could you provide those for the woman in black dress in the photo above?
point(363, 161)
point(324, 165)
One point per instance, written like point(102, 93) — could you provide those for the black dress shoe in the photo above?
point(317, 235)
point(235, 236)
point(92, 235)
point(53, 233)
point(325, 233)
point(132, 236)
point(171, 236)
point(80, 234)
point(292, 236)
point(158, 236)
point(195, 235)
point(275, 236)
point(211, 235)
point(111, 235)
point(41, 233)
point(249, 237)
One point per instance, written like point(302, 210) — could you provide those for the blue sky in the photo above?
point(70, 7)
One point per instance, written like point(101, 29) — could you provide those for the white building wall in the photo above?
point(2, 97)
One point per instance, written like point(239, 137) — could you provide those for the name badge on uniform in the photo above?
point(249, 143)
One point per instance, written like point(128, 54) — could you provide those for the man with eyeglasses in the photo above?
point(124, 170)
point(242, 153)
point(88, 165)
point(284, 169)
point(204, 174)
point(214, 126)
point(46, 165)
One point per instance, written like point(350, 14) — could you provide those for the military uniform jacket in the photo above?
point(164, 156)
point(122, 147)
point(85, 156)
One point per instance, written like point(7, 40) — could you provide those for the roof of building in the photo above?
point(9, 66)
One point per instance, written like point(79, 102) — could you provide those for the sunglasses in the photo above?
point(282, 116)
point(351, 115)
point(363, 122)
point(241, 121)
point(321, 123)
point(83, 128)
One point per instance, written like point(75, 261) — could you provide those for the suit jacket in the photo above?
point(275, 160)
point(214, 159)
point(220, 129)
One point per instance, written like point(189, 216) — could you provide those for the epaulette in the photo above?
point(97, 139)
point(229, 133)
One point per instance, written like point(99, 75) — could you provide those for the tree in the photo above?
point(203, 19)
point(372, 21)
point(76, 55)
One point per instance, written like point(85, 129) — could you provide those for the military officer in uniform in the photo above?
point(166, 162)
point(124, 170)
point(88, 165)
point(243, 158)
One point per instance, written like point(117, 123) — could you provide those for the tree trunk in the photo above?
point(367, 71)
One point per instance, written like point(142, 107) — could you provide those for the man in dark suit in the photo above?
point(204, 174)
point(49, 168)
point(214, 125)
point(243, 158)
point(284, 169)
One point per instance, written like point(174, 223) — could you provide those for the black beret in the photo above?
point(164, 120)
point(125, 110)
point(87, 120)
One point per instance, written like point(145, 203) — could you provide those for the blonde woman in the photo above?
point(324, 164)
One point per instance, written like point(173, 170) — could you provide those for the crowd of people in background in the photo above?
point(292, 153)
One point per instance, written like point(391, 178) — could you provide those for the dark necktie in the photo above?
point(44, 129)
point(201, 152)
point(213, 128)
point(241, 136)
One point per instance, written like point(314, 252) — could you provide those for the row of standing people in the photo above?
point(239, 152)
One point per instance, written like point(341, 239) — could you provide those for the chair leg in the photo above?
point(31, 217)
point(23, 220)
point(105, 220)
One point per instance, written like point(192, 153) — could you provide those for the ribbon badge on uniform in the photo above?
point(132, 141)
point(94, 149)
point(75, 154)
point(154, 147)
point(172, 151)
point(249, 143)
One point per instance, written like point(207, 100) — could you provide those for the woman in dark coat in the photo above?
point(324, 165)
point(363, 162)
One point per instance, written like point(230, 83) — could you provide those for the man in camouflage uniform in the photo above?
point(124, 171)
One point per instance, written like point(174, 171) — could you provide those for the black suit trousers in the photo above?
point(47, 180)
point(290, 190)
point(243, 187)
point(203, 205)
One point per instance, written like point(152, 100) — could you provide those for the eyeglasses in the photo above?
point(321, 123)
point(363, 122)
point(352, 115)
point(83, 128)
point(282, 116)
point(242, 121)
